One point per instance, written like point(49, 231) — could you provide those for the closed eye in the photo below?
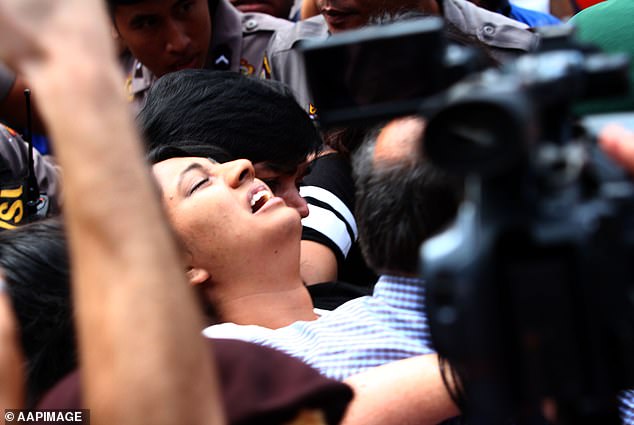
point(198, 185)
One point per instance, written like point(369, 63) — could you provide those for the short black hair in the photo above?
point(398, 206)
point(250, 119)
point(190, 148)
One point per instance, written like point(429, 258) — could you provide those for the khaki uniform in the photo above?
point(505, 37)
point(13, 172)
point(238, 44)
point(7, 78)
point(284, 63)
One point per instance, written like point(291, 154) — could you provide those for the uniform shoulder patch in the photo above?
point(246, 68)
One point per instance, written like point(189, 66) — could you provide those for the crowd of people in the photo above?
point(197, 249)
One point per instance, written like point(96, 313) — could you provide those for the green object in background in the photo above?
point(609, 25)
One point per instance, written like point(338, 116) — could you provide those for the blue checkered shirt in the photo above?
point(362, 333)
point(627, 407)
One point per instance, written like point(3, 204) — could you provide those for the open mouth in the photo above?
point(249, 6)
point(187, 64)
point(259, 199)
point(339, 18)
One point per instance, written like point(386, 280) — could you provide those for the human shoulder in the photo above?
point(7, 79)
point(333, 173)
point(261, 22)
point(286, 38)
point(493, 29)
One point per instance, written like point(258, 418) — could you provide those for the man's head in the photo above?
point(342, 15)
point(401, 198)
point(230, 225)
point(277, 8)
point(165, 35)
point(251, 119)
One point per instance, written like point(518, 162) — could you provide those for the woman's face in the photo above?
point(222, 213)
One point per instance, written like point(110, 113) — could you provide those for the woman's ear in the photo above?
point(197, 275)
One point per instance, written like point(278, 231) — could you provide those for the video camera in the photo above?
point(530, 293)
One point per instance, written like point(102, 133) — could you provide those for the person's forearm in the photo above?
point(134, 309)
point(404, 392)
point(123, 255)
point(317, 263)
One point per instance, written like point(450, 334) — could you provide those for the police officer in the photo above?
point(14, 182)
point(164, 36)
point(7, 79)
point(505, 37)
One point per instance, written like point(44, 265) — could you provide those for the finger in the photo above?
point(619, 144)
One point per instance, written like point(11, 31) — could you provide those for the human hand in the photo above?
point(32, 32)
point(618, 143)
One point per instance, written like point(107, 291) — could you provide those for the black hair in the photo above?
point(250, 119)
point(34, 259)
point(398, 206)
point(189, 148)
point(345, 140)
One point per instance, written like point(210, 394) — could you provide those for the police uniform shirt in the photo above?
point(238, 44)
point(13, 173)
point(7, 78)
point(284, 63)
point(505, 37)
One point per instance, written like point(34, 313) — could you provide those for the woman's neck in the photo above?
point(271, 308)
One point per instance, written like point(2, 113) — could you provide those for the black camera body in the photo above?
point(530, 293)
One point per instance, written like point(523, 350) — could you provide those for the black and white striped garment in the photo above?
point(329, 191)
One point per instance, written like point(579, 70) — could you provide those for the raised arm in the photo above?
point(134, 311)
